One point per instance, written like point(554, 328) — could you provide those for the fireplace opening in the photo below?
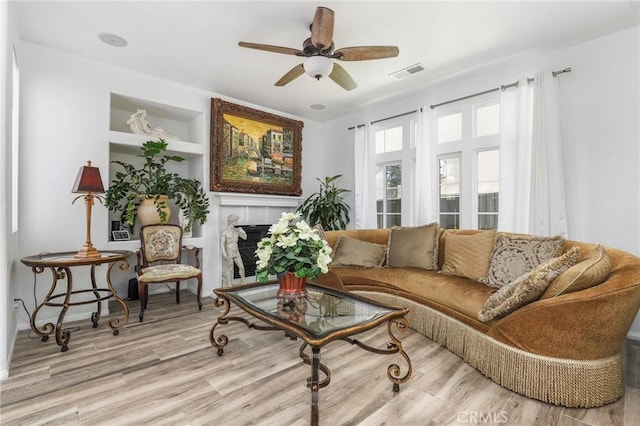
point(247, 248)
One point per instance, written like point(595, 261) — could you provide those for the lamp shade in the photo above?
point(88, 180)
point(318, 66)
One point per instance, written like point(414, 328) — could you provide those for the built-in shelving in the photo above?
point(188, 128)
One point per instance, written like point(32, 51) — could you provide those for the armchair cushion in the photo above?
point(168, 272)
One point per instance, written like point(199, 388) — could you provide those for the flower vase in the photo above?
point(292, 291)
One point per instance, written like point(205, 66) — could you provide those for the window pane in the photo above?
point(379, 139)
point(388, 140)
point(488, 120)
point(450, 221)
point(450, 128)
point(450, 193)
point(488, 188)
point(488, 171)
point(486, 221)
point(389, 195)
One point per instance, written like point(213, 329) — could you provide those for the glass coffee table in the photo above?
point(324, 315)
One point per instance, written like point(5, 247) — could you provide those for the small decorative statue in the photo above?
point(139, 125)
point(230, 253)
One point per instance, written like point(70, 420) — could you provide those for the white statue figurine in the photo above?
point(139, 125)
point(230, 253)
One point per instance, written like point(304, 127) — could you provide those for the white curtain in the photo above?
point(531, 167)
point(365, 185)
point(425, 210)
point(548, 207)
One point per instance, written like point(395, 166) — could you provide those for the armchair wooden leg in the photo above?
point(143, 295)
point(199, 292)
point(178, 292)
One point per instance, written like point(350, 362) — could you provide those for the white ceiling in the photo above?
point(196, 43)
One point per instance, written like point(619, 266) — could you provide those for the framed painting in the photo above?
point(254, 151)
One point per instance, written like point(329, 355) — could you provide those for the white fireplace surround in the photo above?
point(253, 209)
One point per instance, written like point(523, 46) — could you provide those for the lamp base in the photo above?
point(88, 251)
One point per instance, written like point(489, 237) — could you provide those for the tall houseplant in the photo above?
point(327, 206)
point(152, 181)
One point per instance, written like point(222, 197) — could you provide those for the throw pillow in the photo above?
point(357, 253)
point(414, 247)
point(594, 269)
point(526, 288)
point(320, 230)
point(468, 255)
point(515, 255)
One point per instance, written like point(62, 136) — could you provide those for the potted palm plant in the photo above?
point(327, 206)
point(151, 184)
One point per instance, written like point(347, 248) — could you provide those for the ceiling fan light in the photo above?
point(318, 66)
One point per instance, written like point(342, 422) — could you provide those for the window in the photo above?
point(465, 137)
point(395, 159)
point(15, 123)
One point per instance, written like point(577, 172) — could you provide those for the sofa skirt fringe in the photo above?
point(565, 382)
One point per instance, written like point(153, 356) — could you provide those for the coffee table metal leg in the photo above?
point(315, 385)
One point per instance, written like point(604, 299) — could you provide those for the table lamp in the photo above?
point(88, 182)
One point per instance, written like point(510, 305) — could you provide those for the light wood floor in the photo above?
point(165, 372)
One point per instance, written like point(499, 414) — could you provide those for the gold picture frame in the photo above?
point(254, 151)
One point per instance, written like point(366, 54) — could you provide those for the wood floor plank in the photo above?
point(164, 371)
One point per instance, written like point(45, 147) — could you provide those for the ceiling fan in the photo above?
point(319, 53)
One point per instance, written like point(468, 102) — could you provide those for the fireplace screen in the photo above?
point(247, 248)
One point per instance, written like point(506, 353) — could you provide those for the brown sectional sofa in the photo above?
point(564, 350)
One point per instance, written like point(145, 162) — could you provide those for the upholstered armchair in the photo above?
point(159, 261)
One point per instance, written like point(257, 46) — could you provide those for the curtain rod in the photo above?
point(383, 119)
point(503, 87)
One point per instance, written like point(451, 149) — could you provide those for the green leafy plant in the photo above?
point(292, 246)
point(327, 206)
point(152, 180)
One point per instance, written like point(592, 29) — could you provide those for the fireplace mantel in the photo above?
point(255, 200)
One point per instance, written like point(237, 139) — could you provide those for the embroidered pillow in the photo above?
point(468, 255)
point(414, 247)
point(515, 255)
point(526, 288)
point(594, 269)
point(357, 253)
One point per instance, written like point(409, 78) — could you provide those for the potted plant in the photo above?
point(326, 207)
point(292, 247)
point(152, 182)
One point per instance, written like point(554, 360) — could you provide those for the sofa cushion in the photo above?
point(352, 252)
point(460, 294)
point(414, 247)
point(526, 288)
point(469, 255)
point(594, 269)
point(515, 255)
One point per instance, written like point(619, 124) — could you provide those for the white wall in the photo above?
point(600, 108)
point(66, 108)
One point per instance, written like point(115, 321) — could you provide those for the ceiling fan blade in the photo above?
point(271, 48)
point(291, 75)
point(340, 76)
point(364, 53)
point(322, 28)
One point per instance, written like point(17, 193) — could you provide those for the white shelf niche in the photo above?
point(186, 125)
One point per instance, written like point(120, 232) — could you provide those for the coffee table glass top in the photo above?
point(324, 311)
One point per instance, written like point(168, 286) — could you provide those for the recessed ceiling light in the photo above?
point(112, 39)
point(318, 106)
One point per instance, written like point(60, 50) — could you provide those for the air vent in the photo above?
point(407, 72)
